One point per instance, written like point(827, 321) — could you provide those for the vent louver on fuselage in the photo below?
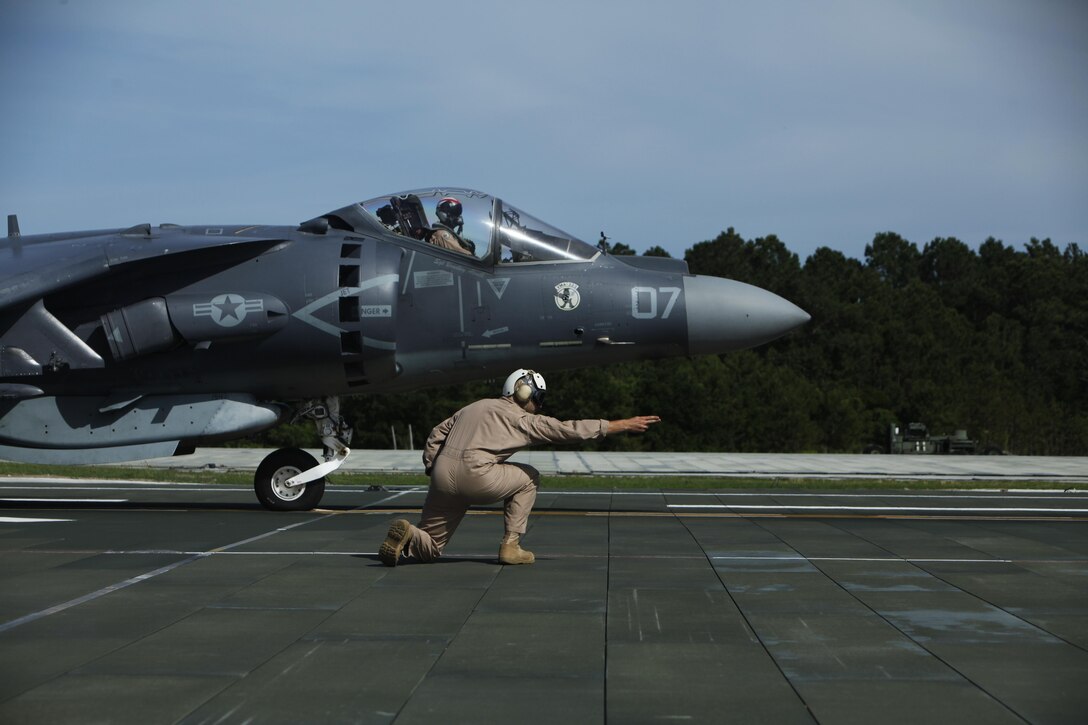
point(351, 341)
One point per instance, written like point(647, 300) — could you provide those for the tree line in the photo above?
point(994, 341)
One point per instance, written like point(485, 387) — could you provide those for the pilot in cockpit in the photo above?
point(446, 232)
point(477, 225)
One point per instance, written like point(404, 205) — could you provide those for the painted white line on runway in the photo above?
point(890, 559)
point(34, 616)
point(957, 494)
point(46, 480)
point(912, 509)
point(19, 520)
point(63, 500)
point(174, 488)
point(93, 595)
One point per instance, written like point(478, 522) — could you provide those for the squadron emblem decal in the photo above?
point(566, 296)
point(228, 310)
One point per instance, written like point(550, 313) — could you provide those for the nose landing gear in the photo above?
point(290, 479)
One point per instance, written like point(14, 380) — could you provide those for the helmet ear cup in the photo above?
point(522, 392)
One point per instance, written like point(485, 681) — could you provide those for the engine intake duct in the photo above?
point(139, 329)
point(158, 324)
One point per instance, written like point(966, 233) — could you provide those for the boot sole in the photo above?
point(400, 532)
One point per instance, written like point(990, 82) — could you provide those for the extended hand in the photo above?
point(638, 424)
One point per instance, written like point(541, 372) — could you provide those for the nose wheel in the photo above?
point(271, 481)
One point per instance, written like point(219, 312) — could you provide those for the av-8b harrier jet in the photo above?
point(126, 344)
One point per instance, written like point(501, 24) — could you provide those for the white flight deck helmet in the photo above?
point(524, 385)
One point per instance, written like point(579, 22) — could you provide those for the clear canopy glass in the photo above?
point(516, 236)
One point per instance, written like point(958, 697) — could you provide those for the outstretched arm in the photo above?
point(638, 424)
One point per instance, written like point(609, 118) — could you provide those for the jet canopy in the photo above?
point(486, 227)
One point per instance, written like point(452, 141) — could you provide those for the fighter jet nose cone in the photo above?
point(725, 315)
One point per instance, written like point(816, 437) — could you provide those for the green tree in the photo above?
point(893, 258)
point(993, 341)
point(765, 262)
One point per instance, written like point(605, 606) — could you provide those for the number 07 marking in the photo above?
point(644, 302)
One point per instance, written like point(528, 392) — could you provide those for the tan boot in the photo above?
point(400, 533)
point(514, 554)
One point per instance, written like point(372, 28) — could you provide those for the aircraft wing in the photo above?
point(34, 267)
point(37, 267)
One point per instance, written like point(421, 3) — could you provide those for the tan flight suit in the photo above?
point(466, 456)
point(446, 239)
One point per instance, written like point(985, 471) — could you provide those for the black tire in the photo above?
point(276, 468)
point(873, 450)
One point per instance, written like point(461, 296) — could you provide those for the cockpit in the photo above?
point(477, 225)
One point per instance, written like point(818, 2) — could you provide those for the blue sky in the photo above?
point(656, 122)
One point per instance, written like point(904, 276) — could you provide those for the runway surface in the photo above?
point(138, 603)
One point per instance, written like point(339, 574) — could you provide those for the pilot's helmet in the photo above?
point(524, 385)
point(449, 211)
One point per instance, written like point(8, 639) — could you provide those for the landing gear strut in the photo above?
point(290, 479)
